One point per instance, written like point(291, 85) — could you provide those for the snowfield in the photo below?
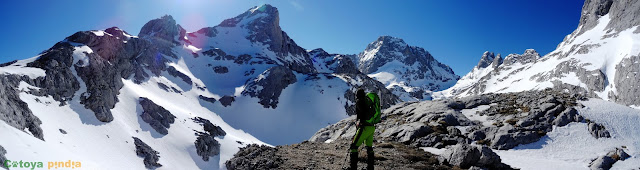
point(572, 147)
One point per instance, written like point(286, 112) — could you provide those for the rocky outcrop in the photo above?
point(255, 156)
point(316, 155)
point(515, 118)
point(227, 100)
point(597, 130)
point(2, 157)
point(486, 60)
point(268, 85)
point(59, 82)
point(605, 162)
point(595, 80)
point(164, 29)
point(13, 110)
point(206, 144)
point(529, 56)
point(175, 73)
point(220, 69)
point(151, 157)
point(207, 99)
point(356, 81)
point(627, 79)
point(467, 156)
point(156, 116)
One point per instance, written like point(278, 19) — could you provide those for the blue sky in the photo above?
point(456, 32)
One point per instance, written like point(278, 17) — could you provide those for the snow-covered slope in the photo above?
point(572, 147)
point(409, 71)
point(272, 81)
point(185, 100)
point(600, 59)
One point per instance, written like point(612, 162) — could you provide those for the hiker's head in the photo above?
point(360, 94)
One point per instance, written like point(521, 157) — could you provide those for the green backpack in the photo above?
point(376, 106)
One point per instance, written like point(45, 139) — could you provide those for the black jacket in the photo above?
point(364, 111)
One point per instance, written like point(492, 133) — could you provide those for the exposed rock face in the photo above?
point(529, 56)
point(605, 162)
point(595, 80)
point(268, 85)
point(227, 100)
point(220, 69)
point(486, 60)
point(206, 144)
point(598, 131)
point(623, 14)
point(157, 117)
point(175, 73)
point(102, 78)
point(59, 82)
point(164, 29)
point(466, 156)
point(151, 157)
point(255, 157)
point(627, 81)
point(518, 118)
point(13, 110)
point(208, 99)
point(113, 56)
point(2, 157)
point(408, 132)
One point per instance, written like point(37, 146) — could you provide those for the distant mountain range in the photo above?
point(599, 59)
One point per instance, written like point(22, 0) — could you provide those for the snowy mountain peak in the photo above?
point(163, 28)
point(265, 8)
point(318, 52)
point(257, 32)
point(389, 40)
point(264, 14)
point(409, 71)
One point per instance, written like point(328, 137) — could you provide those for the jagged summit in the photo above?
point(388, 41)
point(529, 56)
point(386, 49)
point(318, 52)
point(164, 28)
point(410, 71)
point(265, 8)
point(266, 13)
point(486, 59)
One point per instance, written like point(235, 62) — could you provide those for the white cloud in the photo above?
point(296, 5)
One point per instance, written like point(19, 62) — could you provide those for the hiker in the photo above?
point(368, 114)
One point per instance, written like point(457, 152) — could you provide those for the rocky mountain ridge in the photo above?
point(598, 59)
point(411, 72)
